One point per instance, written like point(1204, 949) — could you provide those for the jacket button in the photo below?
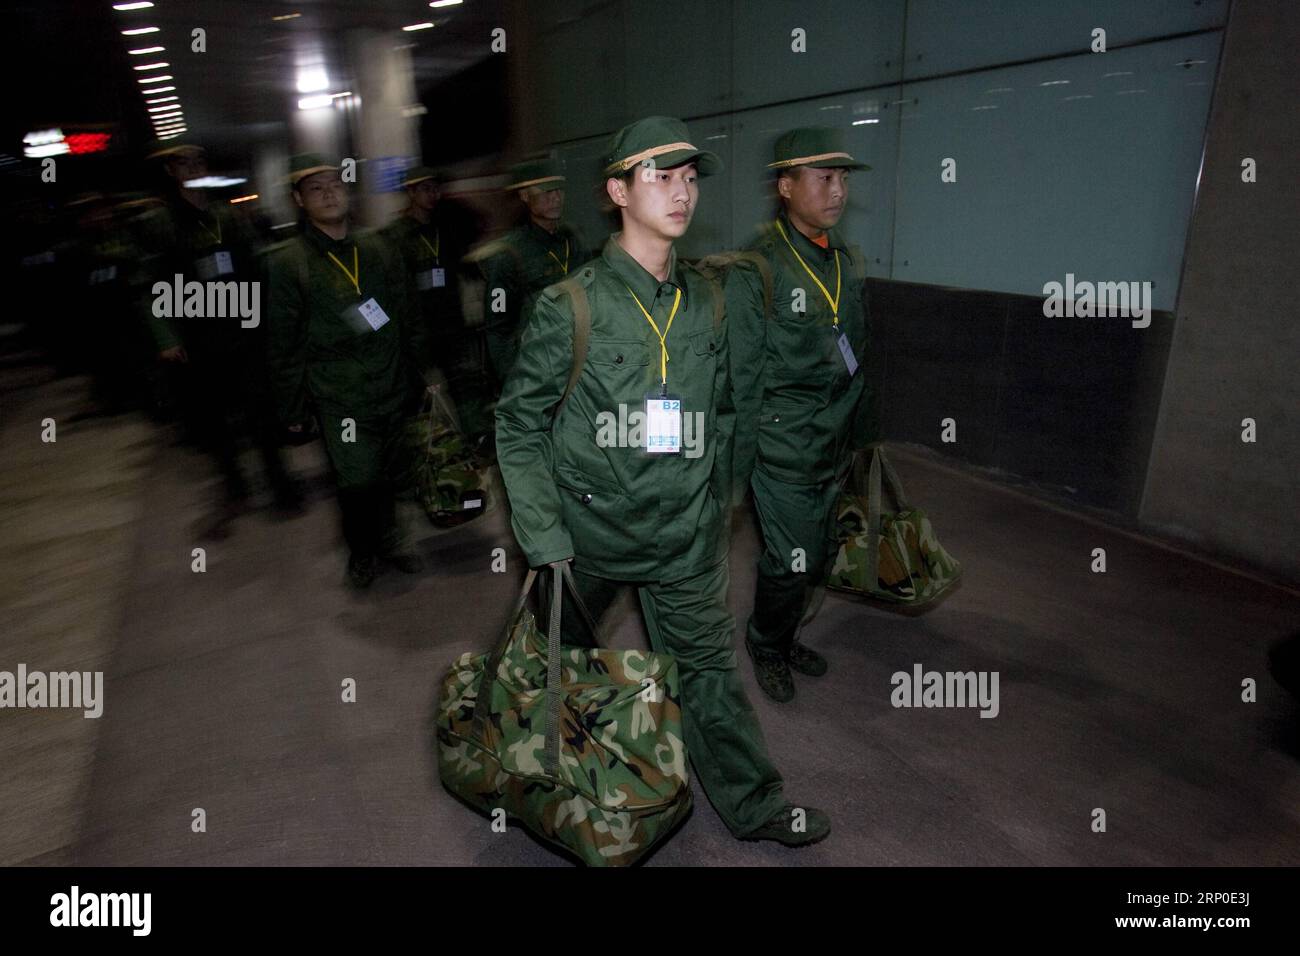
point(776, 418)
point(619, 360)
point(712, 346)
point(586, 499)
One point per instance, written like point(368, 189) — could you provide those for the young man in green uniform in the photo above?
point(797, 327)
point(523, 262)
point(646, 507)
point(432, 260)
point(216, 364)
point(342, 329)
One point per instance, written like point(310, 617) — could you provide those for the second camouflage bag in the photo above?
point(894, 556)
point(451, 483)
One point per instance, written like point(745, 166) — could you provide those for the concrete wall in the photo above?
point(1236, 344)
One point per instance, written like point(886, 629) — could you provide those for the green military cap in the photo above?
point(543, 174)
point(661, 139)
point(161, 148)
point(820, 147)
point(308, 164)
point(418, 174)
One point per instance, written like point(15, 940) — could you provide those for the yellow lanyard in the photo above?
point(835, 302)
point(355, 275)
point(437, 244)
point(565, 264)
point(215, 235)
point(663, 336)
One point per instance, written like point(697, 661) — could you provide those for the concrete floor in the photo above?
point(1119, 691)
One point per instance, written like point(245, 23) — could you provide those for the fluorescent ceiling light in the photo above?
point(161, 99)
point(312, 79)
point(445, 3)
point(146, 49)
point(139, 31)
point(213, 182)
point(164, 109)
point(315, 102)
point(157, 79)
point(132, 6)
point(152, 66)
point(49, 149)
point(417, 26)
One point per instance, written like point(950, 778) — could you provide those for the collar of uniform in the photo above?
point(547, 238)
point(807, 247)
point(183, 209)
point(634, 275)
point(323, 242)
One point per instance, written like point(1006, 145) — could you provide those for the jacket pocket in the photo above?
point(614, 354)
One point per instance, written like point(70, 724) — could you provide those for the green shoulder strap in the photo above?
point(717, 265)
point(859, 262)
point(577, 293)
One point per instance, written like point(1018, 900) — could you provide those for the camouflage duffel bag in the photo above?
point(584, 746)
point(451, 483)
point(892, 557)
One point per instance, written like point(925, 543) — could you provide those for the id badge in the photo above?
point(217, 264)
point(846, 353)
point(427, 279)
point(663, 424)
point(374, 315)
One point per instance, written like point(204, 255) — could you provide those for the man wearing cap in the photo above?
point(648, 508)
point(217, 363)
point(526, 260)
point(798, 336)
point(342, 330)
point(432, 255)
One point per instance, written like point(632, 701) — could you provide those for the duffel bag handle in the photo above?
point(880, 468)
point(561, 575)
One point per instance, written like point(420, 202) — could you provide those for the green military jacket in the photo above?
point(797, 407)
point(180, 238)
point(425, 248)
point(320, 348)
point(522, 263)
point(624, 513)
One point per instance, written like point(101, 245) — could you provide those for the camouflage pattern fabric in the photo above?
point(450, 481)
point(620, 785)
point(914, 568)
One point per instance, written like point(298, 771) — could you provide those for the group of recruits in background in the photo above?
point(764, 346)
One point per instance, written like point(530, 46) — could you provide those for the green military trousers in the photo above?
point(502, 347)
point(689, 621)
point(798, 526)
point(368, 459)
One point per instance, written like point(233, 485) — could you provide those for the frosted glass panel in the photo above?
point(850, 44)
point(1094, 174)
point(580, 71)
point(944, 36)
point(678, 58)
point(582, 169)
point(873, 140)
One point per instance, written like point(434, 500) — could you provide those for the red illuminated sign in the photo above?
point(87, 142)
